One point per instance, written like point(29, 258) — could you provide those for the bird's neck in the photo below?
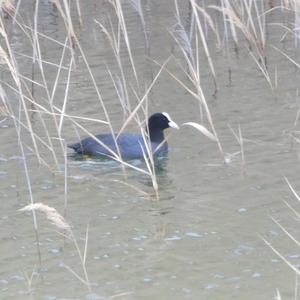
point(156, 136)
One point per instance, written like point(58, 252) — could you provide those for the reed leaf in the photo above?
point(202, 129)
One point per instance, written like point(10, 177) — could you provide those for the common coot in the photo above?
point(131, 146)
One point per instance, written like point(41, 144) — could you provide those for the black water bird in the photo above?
point(131, 146)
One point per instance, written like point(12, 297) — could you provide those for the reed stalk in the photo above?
point(60, 222)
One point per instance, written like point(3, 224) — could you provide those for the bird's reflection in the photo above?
point(134, 169)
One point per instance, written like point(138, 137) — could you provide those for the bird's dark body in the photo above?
point(131, 146)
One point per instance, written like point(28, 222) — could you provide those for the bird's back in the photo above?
point(130, 146)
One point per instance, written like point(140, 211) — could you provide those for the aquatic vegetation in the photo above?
point(38, 90)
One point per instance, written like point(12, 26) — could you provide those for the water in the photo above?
point(203, 238)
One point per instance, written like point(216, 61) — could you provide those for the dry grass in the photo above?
point(241, 23)
point(242, 19)
point(50, 213)
point(59, 221)
point(292, 238)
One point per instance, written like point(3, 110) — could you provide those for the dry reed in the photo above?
point(243, 21)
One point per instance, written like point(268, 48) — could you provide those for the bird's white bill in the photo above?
point(172, 124)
